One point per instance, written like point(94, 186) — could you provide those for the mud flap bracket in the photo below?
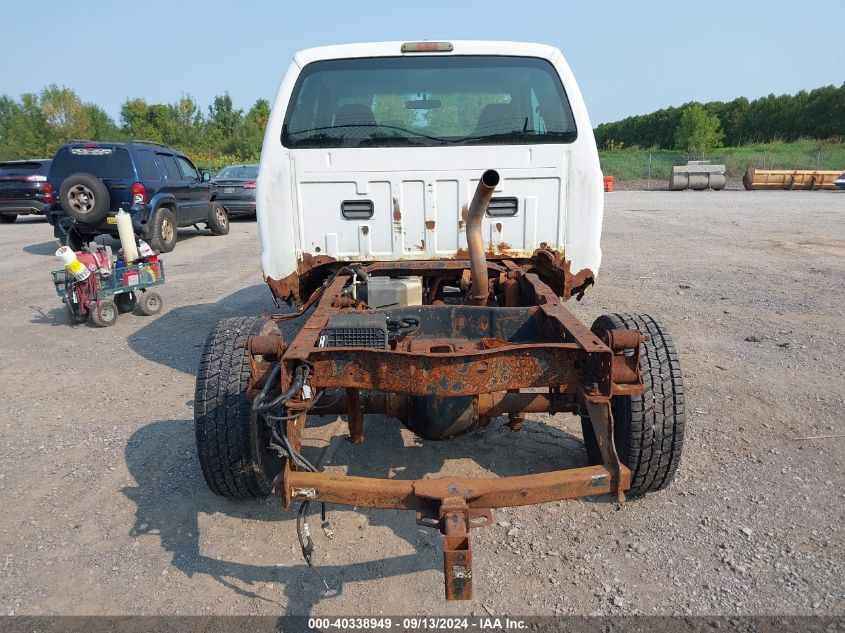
point(601, 417)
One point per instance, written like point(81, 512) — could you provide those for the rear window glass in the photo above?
point(20, 169)
point(239, 171)
point(428, 101)
point(102, 162)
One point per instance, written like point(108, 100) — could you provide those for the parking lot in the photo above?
point(106, 511)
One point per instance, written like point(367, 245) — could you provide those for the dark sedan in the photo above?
point(24, 188)
point(840, 182)
point(236, 188)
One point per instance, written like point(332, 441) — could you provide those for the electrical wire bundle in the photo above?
point(278, 428)
point(357, 271)
point(399, 327)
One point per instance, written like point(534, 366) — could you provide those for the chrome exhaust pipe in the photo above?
point(480, 289)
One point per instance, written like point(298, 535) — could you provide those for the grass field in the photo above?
point(636, 163)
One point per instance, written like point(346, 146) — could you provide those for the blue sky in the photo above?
point(629, 57)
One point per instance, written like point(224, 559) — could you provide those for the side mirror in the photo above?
point(206, 176)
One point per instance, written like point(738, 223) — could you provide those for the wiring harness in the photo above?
point(277, 425)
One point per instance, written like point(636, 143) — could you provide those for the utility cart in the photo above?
point(109, 292)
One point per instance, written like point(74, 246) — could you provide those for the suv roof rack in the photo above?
point(82, 140)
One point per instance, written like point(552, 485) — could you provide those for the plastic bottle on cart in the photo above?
point(127, 236)
point(76, 268)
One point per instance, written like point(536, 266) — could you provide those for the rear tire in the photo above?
point(150, 303)
point(218, 219)
point(231, 446)
point(104, 313)
point(648, 429)
point(8, 218)
point(163, 238)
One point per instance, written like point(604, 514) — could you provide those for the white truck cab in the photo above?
point(372, 153)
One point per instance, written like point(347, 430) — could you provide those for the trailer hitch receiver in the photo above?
point(454, 505)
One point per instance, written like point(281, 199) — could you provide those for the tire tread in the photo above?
point(649, 429)
point(226, 445)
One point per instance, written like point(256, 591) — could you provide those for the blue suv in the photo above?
point(157, 185)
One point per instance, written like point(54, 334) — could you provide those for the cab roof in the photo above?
point(394, 49)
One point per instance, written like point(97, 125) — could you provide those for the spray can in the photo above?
point(127, 236)
point(79, 271)
point(144, 250)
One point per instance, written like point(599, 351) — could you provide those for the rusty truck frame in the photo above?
point(490, 336)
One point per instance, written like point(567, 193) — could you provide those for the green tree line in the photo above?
point(817, 114)
point(35, 125)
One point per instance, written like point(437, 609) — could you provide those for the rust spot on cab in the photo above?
point(286, 289)
point(365, 229)
point(291, 288)
point(397, 211)
point(429, 224)
point(498, 227)
point(308, 261)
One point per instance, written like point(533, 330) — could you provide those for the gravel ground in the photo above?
point(106, 511)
